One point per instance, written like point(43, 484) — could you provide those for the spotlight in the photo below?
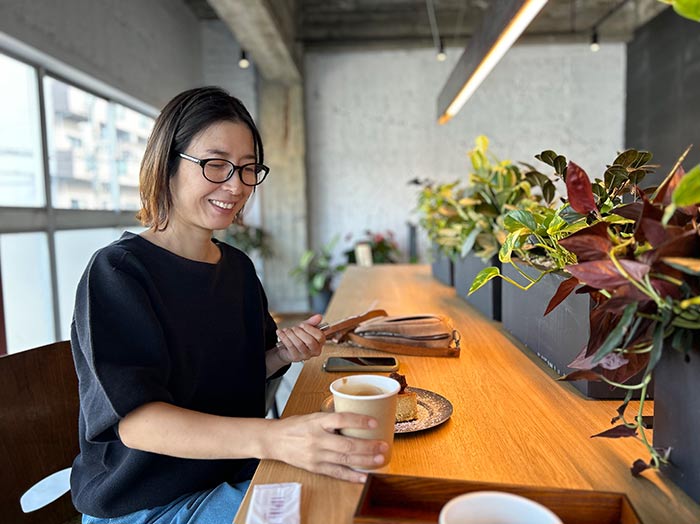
point(243, 62)
point(441, 56)
point(595, 46)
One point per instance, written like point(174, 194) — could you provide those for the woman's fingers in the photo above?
point(316, 445)
point(303, 341)
point(313, 320)
point(342, 473)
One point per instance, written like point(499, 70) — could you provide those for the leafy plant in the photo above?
point(535, 232)
point(495, 187)
point(316, 268)
point(248, 239)
point(686, 8)
point(384, 248)
point(437, 205)
point(470, 219)
point(644, 280)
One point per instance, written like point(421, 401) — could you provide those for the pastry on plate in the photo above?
point(406, 405)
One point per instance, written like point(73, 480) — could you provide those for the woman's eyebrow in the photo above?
point(221, 152)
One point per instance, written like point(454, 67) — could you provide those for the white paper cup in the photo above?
point(495, 507)
point(372, 395)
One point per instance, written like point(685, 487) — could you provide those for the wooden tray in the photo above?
point(394, 499)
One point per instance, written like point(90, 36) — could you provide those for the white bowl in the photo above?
point(495, 507)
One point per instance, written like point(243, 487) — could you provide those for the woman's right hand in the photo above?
point(312, 442)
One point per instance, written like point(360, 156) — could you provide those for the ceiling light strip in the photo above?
point(502, 24)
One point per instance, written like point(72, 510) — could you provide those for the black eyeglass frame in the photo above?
point(203, 162)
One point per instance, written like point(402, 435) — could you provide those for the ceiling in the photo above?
point(400, 23)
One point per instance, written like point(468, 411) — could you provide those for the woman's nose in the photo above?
point(234, 184)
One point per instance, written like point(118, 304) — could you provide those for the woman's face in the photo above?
point(202, 204)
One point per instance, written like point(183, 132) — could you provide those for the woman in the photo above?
point(173, 342)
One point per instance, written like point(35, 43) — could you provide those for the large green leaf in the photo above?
point(506, 250)
point(483, 277)
point(688, 191)
point(626, 158)
point(520, 217)
point(688, 9)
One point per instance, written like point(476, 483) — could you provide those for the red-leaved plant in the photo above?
point(643, 277)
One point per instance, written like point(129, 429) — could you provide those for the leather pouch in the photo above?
point(425, 335)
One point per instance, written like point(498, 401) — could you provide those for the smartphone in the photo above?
point(363, 364)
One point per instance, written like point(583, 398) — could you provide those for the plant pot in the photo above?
point(488, 298)
point(677, 417)
point(320, 301)
point(560, 336)
point(442, 267)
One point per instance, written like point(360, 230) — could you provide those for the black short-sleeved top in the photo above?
point(152, 326)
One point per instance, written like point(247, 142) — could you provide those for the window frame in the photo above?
point(46, 218)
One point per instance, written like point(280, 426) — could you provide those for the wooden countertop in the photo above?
point(512, 423)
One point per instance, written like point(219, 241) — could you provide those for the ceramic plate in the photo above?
point(433, 410)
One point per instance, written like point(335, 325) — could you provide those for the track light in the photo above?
point(504, 22)
point(243, 62)
point(595, 46)
point(441, 56)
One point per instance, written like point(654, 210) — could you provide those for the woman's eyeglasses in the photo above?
point(219, 170)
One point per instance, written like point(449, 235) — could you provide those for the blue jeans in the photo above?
point(214, 506)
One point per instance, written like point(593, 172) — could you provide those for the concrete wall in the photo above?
point(663, 83)
point(148, 49)
point(371, 125)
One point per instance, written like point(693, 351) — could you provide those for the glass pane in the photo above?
point(133, 129)
point(79, 142)
point(21, 164)
point(73, 252)
point(26, 290)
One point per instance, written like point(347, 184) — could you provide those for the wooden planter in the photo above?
point(560, 336)
point(443, 269)
point(677, 417)
point(488, 299)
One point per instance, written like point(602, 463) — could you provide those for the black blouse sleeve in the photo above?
point(120, 350)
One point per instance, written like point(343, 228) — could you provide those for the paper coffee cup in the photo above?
point(372, 395)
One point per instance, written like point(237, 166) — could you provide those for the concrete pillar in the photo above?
point(283, 197)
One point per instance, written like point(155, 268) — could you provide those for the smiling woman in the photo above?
point(173, 341)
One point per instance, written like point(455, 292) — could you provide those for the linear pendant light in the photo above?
point(503, 22)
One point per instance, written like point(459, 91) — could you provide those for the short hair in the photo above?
point(178, 123)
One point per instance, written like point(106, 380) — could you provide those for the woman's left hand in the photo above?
point(301, 342)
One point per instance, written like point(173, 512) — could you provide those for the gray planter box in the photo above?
point(442, 267)
point(560, 336)
point(488, 299)
point(677, 417)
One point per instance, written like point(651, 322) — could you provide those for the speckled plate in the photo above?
point(433, 410)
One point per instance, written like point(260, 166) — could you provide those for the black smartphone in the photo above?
point(365, 364)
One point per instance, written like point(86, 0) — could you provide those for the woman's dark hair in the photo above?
point(178, 123)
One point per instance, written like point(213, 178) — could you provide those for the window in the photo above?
point(21, 162)
point(93, 149)
point(26, 289)
point(132, 133)
point(73, 252)
point(79, 153)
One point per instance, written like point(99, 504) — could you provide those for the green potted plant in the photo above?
point(534, 253)
point(317, 271)
point(442, 224)
point(384, 248)
point(643, 278)
point(249, 239)
point(495, 188)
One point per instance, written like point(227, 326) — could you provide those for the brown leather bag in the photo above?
point(424, 335)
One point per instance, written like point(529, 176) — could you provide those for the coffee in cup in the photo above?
point(372, 395)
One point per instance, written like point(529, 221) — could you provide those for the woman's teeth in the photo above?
point(222, 205)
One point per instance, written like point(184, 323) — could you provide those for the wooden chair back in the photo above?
point(38, 428)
